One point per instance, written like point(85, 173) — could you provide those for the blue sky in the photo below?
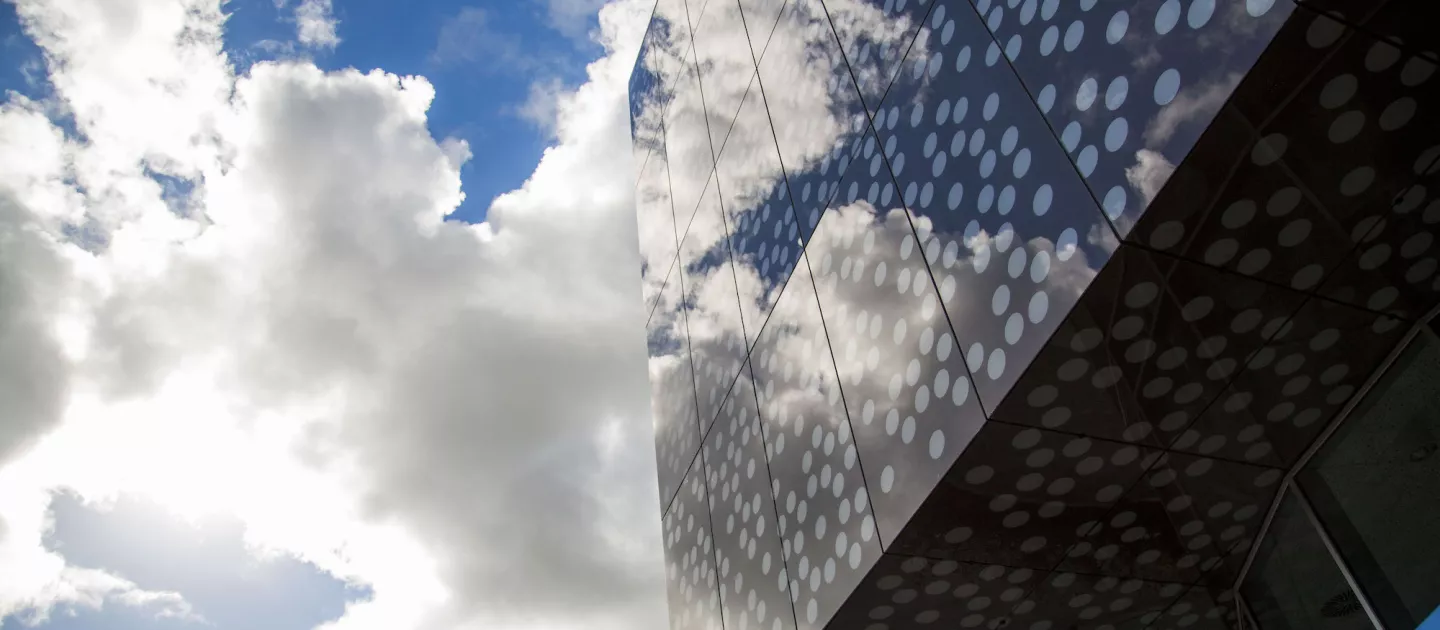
point(482, 57)
point(206, 562)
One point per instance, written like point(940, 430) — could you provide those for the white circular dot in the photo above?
point(1014, 327)
point(1283, 201)
point(1085, 95)
point(1382, 55)
point(1347, 126)
point(1039, 306)
point(1049, 39)
point(1000, 300)
point(1397, 114)
point(1116, 93)
point(1115, 202)
point(1167, 16)
point(1257, 8)
point(962, 60)
point(1238, 214)
point(1046, 99)
point(1168, 85)
point(1089, 156)
point(1338, 91)
point(1167, 235)
point(1115, 134)
point(1294, 233)
point(1065, 246)
point(1040, 266)
point(1269, 149)
point(1200, 12)
point(1357, 181)
point(1043, 198)
point(1324, 31)
point(1070, 138)
point(937, 444)
point(1416, 71)
point(1115, 31)
point(1073, 35)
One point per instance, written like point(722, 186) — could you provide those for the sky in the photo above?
point(498, 67)
point(322, 314)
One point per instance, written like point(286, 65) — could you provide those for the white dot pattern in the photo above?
point(1123, 73)
point(717, 339)
point(690, 557)
point(1285, 215)
point(905, 383)
point(1063, 599)
point(764, 235)
point(909, 592)
point(876, 58)
point(672, 391)
point(751, 561)
point(826, 520)
point(1001, 215)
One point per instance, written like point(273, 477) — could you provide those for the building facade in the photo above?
point(1043, 314)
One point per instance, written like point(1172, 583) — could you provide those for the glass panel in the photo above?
point(875, 35)
point(813, 108)
point(1129, 86)
point(656, 222)
point(722, 53)
point(1294, 583)
point(653, 80)
point(690, 557)
point(1369, 483)
point(717, 338)
point(760, 17)
point(687, 143)
point(764, 236)
point(904, 381)
point(820, 488)
point(672, 389)
point(749, 555)
point(1010, 233)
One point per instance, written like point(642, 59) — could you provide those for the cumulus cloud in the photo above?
point(313, 311)
point(1149, 173)
point(93, 589)
point(315, 24)
point(1195, 104)
point(572, 17)
point(541, 104)
point(470, 37)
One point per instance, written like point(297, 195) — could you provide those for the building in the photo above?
point(1043, 314)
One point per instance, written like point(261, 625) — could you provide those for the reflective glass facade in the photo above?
point(1034, 313)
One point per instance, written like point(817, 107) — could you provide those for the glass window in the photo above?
point(1374, 485)
point(1294, 583)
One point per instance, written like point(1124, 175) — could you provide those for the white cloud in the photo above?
point(1194, 104)
point(453, 415)
point(543, 102)
point(93, 589)
point(469, 37)
point(315, 24)
point(572, 17)
point(1149, 173)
